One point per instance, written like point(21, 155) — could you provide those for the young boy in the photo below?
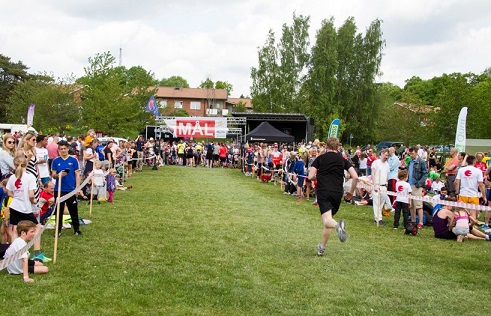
point(403, 199)
point(26, 231)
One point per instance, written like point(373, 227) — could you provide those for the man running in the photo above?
point(328, 169)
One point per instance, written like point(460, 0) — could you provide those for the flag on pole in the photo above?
point(334, 128)
point(30, 114)
point(152, 106)
point(460, 134)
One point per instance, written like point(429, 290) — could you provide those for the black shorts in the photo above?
point(16, 217)
point(447, 235)
point(30, 265)
point(223, 159)
point(329, 201)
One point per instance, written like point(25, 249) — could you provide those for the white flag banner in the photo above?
point(460, 135)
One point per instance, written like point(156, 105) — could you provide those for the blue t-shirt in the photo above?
point(68, 182)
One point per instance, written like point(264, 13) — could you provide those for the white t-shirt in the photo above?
point(437, 186)
point(380, 172)
point(98, 177)
point(469, 177)
point(363, 163)
point(21, 187)
point(42, 153)
point(16, 266)
point(403, 189)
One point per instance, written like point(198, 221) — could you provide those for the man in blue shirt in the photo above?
point(65, 169)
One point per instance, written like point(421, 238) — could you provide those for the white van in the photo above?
point(104, 140)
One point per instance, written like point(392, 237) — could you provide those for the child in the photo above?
point(111, 184)
point(46, 199)
point(5, 227)
point(403, 201)
point(437, 186)
point(461, 228)
point(21, 187)
point(299, 170)
point(99, 182)
point(26, 231)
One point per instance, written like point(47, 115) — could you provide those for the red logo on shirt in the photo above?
point(400, 188)
point(467, 173)
point(18, 183)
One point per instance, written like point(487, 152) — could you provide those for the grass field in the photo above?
point(195, 241)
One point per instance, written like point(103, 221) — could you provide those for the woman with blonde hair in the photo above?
point(7, 154)
point(27, 148)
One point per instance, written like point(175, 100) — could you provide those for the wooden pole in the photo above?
point(91, 194)
point(57, 218)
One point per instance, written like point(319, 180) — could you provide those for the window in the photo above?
point(177, 104)
point(195, 105)
point(162, 104)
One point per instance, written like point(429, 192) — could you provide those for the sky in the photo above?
point(219, 39)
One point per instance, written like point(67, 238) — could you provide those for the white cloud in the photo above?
point(219, 38)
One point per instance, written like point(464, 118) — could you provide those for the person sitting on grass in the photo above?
point(462, 220)
point(26, 230)
point(443, 221)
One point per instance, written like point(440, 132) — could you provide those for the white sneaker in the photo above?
point(320, 250)
point(340, 229)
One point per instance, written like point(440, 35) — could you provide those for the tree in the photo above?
point(57, 107)
point(265, 79)
point(224, 85)
point(114, 98)
point(293, 58)
point(11, 74)
point(174, 81)
point(320, 87)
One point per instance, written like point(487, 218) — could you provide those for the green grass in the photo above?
point(194, 241)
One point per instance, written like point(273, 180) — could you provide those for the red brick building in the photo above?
point(196, 101)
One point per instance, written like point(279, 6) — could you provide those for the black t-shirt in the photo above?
point(330, 171)
point(108, 153)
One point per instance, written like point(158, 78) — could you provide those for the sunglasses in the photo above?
point(11, 142)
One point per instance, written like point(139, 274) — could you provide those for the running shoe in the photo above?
point(78, 233)
point(341, 230)
point(320, 250)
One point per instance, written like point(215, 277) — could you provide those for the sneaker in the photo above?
point(41, 258)
point(320, 250)
point(485, 226)
point(396, 227)
point(341, 230)
point(78, 233)
point(382, 223)
point(488, 237)
point(420, 226)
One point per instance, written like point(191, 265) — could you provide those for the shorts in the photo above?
point(329, 201)
point(460, 231)
point(30, 265)
point(16, 217)
point(417, 204)
point(300, 181)
point(447, 235)
point(488, 194)
point(469, 200)
point(223, 159)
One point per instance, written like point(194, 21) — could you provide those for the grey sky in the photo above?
point(196, 39)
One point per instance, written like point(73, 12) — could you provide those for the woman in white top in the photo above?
point(7, 154)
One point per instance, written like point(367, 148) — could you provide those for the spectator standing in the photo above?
point(7, 154)
point(393, 172)
point(451, 171)
point(42, 156)
point(66, 168)
point(380, 172)
point(468, 183)
point(418, 172)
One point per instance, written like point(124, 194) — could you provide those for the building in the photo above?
point(195, 101)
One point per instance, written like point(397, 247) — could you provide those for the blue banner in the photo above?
point(334, 128)
point(152, 106)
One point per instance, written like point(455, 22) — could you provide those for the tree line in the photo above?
point(336, 78)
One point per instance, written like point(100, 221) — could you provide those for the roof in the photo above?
point(291, 117)
point(247, 101)
point(267, 133)
point(417, 108)
point(190, 93)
